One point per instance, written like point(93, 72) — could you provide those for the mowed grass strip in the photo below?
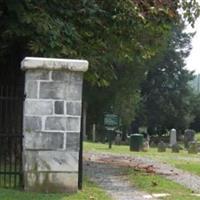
point(193, 167)
point(182, 160)
point(90, 191)
point(125, 149)
point(152, 184)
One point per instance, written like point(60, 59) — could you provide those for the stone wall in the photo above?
point(52, 117)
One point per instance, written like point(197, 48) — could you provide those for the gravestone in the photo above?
point(173, 140)
point(145, 146)
point(193, 148)
point(175, 148)
point(51, 128)
point(198, 146)
point(118, 139)
point(153, 144)
point(94, 132)
point(189, 135)
point(161, 147)
point(148, 137)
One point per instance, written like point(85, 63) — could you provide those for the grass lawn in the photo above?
point(197, 137)
point(182, 160)
point(90, 191)
point(157, 184)
point(193, 167)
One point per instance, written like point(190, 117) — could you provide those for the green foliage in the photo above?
point(195, 111)
point(121, 94)
point(99, 31)
point(165, 92)
point(190, 10)
point(117, 37)
point(125, 105)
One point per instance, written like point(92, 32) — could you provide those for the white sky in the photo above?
point(193, 61)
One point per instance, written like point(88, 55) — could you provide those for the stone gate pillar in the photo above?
point(51, 127)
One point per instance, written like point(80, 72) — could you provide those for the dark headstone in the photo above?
point(198, 146)
point(161, 147)
point(175, 148)
point(193, 148)
point(152, 144)
point(188, 137)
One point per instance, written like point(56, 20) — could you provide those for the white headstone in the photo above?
point(173, 137)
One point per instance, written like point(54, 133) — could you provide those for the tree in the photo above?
point(99, 31)
point(195, 112)
point(110, 33)
point(165, 92)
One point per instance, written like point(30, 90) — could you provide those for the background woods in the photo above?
point(127, 43)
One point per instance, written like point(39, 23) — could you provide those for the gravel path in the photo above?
point(186, 179)
point(113, 182)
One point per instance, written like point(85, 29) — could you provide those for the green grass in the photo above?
point(157, 184)
point(197, 137)
point(90, 191)
point(193, 167)
point(182, 160)
point(124, 149)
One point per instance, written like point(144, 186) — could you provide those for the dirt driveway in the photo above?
point(186, 179)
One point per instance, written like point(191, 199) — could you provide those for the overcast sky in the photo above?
point(193, 61)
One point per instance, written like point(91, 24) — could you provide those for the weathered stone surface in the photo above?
point(37, 75)
point(51, 182)
point(63, 123)
point(55, 123)
point(52, 90)
point(74, 92)
point(152, 144)
point(43, 140)
point(32, 124)
point(31, 89)
point(30, 160)
point(68, 77)
point(175, 148)
point(173, 139)
point(161, 147)
point(189, 135)
point(35, 63)
point(38, 107)
point(61, 76)
point(51, 125)
point(193, 148)
point(73, 141)
point(73, 124)
point(198, 147)
point(73, 108)
point(59, 107)
point(51, 161)
point(76, 78)
point(60, 161)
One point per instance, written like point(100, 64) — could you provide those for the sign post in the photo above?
point(111, 122)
